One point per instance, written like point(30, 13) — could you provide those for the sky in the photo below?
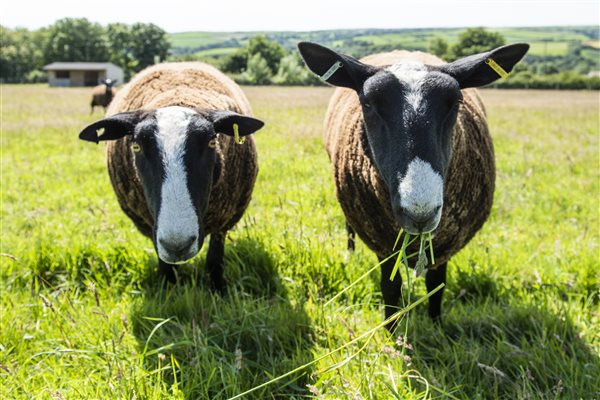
point(304, 15)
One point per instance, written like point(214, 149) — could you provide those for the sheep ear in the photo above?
point(223, 122)
point(114, 127)
point(334, 68)
point(478, 70)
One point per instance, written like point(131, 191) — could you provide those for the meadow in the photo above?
point(83, 315)
point(544, 41)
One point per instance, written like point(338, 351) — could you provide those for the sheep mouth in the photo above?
point(416, 225)
point(180, 255)
point(176, 259)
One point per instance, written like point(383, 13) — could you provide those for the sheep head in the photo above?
point(175, 154)
point(409, 111)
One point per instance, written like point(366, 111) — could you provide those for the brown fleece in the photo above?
point(469, 184)
point(99, 97)
point(189, 84)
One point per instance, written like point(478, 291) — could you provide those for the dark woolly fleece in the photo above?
point(190, 84)
point(469, 186)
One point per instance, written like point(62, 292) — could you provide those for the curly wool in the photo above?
point(363, 196)
point(189, 84)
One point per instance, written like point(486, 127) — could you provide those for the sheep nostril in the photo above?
point(420, 218)
point(178, 246)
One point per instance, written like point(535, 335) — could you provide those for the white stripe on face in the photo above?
point(421, 190)
point(411, 73)
point(177, 220)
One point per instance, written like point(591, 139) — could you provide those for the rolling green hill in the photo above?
point(545, 41)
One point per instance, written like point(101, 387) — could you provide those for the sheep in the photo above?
point(174, 161)
point(103, 94)
point(410, 148)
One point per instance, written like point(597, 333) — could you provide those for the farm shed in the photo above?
point(82, 73)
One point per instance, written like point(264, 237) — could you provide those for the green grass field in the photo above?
point(544, 41)
point(83, 316)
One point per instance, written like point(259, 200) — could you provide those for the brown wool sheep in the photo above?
point(103, 94)
point(470, 181)
point(172, 157)
point(411, 150)
point(189, 84)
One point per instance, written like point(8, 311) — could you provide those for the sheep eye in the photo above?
point(212, 143)
point(136, 147)
point(366, 104)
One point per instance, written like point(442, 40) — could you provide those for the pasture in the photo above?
point(83, 315)
point(544, 41)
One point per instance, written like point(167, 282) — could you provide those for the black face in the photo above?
point(409, 111)
point(175, 153)
point(109, 82)
point(175, 163)
point(409, 115)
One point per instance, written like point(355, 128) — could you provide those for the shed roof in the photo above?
point(79, 66)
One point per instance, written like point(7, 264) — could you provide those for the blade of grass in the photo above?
point(431, 249)
point(369, 332)
point(359, 279)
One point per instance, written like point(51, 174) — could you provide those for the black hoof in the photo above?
point(219, 287)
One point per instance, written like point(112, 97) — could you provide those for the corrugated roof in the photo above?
point(78, 66)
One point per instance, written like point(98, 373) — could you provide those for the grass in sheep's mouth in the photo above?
point(425, 242)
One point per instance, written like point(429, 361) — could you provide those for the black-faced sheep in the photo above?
point(410, 149)
point(103, 94)
point(174, 164)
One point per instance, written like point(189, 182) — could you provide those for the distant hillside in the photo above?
point(545, 41)
point(566, 57)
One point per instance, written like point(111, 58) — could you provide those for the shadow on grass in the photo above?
point(226, 345)
point(506, 345)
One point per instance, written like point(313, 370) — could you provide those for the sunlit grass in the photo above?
point(83, 316)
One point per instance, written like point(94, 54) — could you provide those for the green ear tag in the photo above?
point(496, 67)
point(331, 71)
point(236, 135)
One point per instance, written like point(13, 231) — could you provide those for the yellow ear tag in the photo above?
point(496, 67)
point(212, 143)
point(236, 135)
point(135, 147)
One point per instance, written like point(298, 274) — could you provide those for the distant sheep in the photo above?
point(173, 162)
point(103, 94)
point(410, 149)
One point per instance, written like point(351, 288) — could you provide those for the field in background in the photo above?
point(544, 41)
point(83, 317)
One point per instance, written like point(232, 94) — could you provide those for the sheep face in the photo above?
point(175, 155)
point(409, 111)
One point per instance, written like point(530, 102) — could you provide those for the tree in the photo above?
point(236, 63)
point(439, 47)
point(120, 46)
point(257, 71)
point(476, 40)
point(293, 72)
point(20, 54)
point(271, 51)
point(75, 39)
point(147, 43)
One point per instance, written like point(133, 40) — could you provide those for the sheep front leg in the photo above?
point(391, 290)
point(351, 237)
point(167, 271)
point(433, 279)
point(215, 262)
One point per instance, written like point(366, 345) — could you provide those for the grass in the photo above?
point(544, 41)
point(83, 317)
point(218, 52)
